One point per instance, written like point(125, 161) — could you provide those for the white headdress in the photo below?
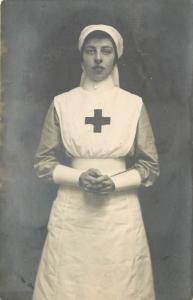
point(117, 38)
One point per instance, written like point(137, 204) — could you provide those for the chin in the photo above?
point(99, 78)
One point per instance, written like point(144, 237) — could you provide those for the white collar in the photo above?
point(104, 85)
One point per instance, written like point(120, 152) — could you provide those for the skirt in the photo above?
point(96, 248)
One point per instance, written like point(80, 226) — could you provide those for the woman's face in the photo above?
point(98, 58)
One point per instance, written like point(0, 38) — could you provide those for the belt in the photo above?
point(107, 166)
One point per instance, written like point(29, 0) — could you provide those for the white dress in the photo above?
point(96, 247)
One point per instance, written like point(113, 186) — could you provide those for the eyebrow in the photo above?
point(107, 47)
point(93, 47)
point(89, 46)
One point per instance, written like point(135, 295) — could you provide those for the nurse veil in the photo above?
point(96, 247)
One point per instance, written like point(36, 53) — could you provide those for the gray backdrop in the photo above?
point(40, 60)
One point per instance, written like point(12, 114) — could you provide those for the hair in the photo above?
point(98, 34)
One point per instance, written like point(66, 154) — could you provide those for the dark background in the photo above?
point(40, 60)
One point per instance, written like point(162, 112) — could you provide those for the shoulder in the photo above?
point(68, 94)
point(129, 98)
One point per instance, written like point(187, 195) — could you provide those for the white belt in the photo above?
point(108, 166)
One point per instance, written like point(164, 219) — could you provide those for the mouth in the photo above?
point(98, 68)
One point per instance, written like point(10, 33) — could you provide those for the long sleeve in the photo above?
point(144, 168)
point(146, 156)
point(50, 154)
point(50, 147)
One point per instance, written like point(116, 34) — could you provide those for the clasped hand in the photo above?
point(94, 181)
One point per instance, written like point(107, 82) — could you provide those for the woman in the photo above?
point(96, 247)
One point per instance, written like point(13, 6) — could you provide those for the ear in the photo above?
point(82, 67)
point(83, 77)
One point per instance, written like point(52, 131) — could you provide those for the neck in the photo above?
point(91, 85)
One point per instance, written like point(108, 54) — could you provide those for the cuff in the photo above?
point(66, 175)
point(147, 178)
point(127, 180)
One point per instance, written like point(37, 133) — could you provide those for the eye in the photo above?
point(89, 51)
point(107, 50)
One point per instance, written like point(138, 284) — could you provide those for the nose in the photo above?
point(98, 57)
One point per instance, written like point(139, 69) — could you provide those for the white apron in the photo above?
point(96, 247)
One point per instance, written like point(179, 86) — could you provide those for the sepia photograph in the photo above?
point(96, 144)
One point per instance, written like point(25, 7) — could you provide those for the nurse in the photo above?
point(96, 246)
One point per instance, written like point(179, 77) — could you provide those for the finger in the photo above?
point(97, 172)
point(102, 189)
point(108, 182)
point(110, 187)
point(101, 179)
point(96, 188)
point(94, 172)
point(88, 188)
point(104, 192)
point(99, 187)
point(90, 179)
point(106, 188)
point(104, 183)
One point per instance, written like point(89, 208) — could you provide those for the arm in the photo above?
point(47, 159)
point(146, 156)
point(145, 169)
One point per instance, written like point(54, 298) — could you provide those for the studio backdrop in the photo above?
point(40, 61)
